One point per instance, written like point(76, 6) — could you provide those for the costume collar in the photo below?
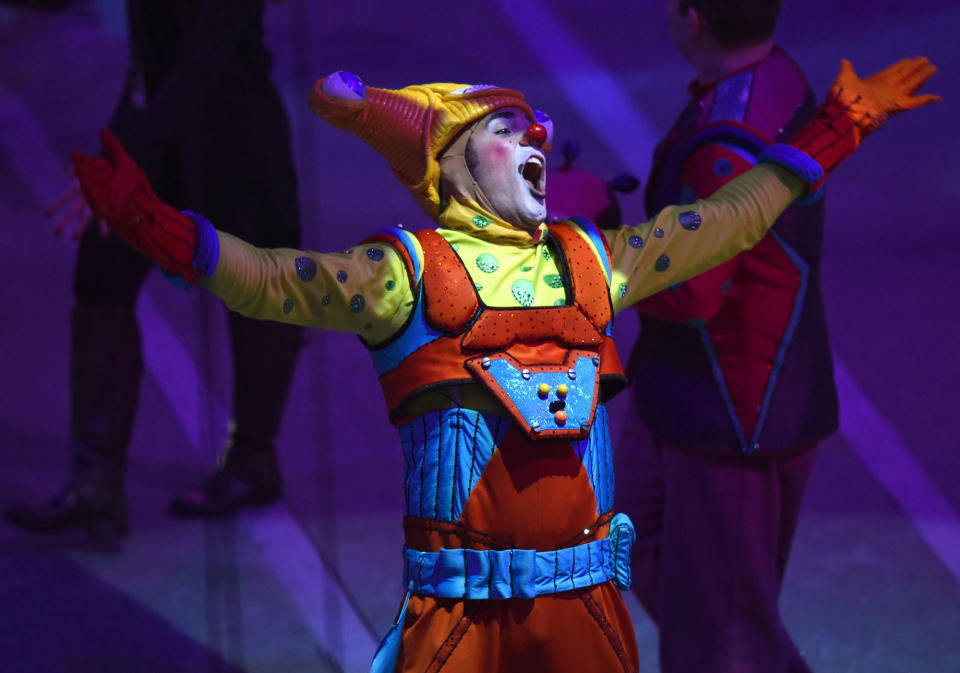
point(463, 214)
point(699, 89)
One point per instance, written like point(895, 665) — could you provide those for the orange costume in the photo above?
point(490, 336)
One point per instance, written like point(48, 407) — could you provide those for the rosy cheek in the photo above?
point(496, 154)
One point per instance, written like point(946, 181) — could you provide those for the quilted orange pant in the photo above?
point(532, 495)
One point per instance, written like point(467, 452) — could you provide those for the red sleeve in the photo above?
point(708, 168)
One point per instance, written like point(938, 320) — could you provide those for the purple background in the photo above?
point(874, 583)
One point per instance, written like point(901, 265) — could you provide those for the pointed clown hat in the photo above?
point(412, 126)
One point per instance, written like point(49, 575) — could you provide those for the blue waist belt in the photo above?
point(521, 573)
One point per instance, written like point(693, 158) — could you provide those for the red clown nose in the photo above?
point(535, 135)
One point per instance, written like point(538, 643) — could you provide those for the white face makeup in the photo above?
point(511, 173)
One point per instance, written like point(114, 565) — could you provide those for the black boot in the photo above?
point(94, 499)
point(106, 367)
point(264, 355)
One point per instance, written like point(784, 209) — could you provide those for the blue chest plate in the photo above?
point(546, 401)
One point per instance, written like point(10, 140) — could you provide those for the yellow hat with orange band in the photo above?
point(411, 127)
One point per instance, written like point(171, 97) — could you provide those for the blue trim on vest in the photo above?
point(416, 334)
point(595, 451)
point(746, 154)
point(445, 452)
point(750, 447)
point(207, 254)
point(731, 98)
point(409, 243)
point(596, 238)
point(701, 327)
point(804, 269)
point(728, 135)
point(482, 574)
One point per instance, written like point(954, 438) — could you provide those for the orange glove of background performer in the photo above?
point(119, 193)
point(856, 107)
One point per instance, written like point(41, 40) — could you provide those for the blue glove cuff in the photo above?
point(799, 163)
point(796, 161)
point(208, 245)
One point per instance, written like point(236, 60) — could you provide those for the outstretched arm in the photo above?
point(684, 241)
point(366, 290)
point(737, 216)
point(701, 297)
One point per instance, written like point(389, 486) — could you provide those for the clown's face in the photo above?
point(510, 171)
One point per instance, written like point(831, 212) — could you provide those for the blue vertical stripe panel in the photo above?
point(598, 461)
point(445, 452)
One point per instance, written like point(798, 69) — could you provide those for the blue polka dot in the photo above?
point(325, 300)
point(342, 276)
point(722, 168)
point(306, 268)
point(357, 302)
point(658, 232)
point(689, 220)
point(287, 306)
point(375, 254)
point(662, 263)
point(636, 241)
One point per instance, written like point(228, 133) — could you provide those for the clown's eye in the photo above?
point(504, 131)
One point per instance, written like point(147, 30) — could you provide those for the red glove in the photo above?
point(120, 194)
point(855, 108)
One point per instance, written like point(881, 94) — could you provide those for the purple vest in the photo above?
point(682, 392)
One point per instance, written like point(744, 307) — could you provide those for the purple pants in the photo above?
point(713, 537)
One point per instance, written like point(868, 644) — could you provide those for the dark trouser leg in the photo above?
point(794, 474)
point(106, 369)
point(105, 372)
point(723, 555)
point(250, 192)
point(265, 354)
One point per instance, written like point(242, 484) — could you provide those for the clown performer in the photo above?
point(491, 337)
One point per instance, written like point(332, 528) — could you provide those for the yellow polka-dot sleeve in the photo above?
point(364, 290)
point(684, 241)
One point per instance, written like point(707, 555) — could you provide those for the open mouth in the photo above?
point(534, 174)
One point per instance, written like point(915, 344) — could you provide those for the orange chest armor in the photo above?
point(547, 367)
